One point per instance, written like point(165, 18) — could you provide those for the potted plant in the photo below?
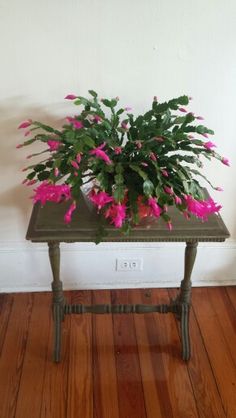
point(137, 166)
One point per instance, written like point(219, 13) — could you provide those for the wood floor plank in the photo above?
point(6, 301)
point(32, 377)
point(13, 352)
point(231, 291)
point(218, 351)
point(54, 396)
point(205, 389)
point(226, 315)
point(80, 387)
point(104, 363)
point(177, 388)
point(130, 390)
point(152, 377)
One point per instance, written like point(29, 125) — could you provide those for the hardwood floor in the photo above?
point(120, 366)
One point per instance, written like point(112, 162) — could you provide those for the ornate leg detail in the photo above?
point(183, 300)
point(58, 299)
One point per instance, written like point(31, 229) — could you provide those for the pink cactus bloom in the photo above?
point(199, 118)
point(100, 199)
point(25, 124)
point(27, 133)
point(225, 161)
point(168, 190)
point(201, 208)
point(53, 145)
point(144, 164)
point(128, 109)
point(182, 109)
point(56, 172)
point(186, 215)
point(153, 156)
point(68, 214)
point(219, 189)
point(79, 157)
point(75, 164)
point(71, 97)
point(209, 145)
point(118, 150)
point(205, 135)
point(138, 144)
point(178, 200)
point(19, 146)
point(99, 153)
point(117, 214)
point(77, 124)
point(97, 118)
point(155, 209)
point(170, 225)
point(124, 125)
point(164, 173)
point(51, 192)
point(31, 182)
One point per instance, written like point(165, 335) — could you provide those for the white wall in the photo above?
point(133, 49)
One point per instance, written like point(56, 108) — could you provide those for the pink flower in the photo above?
point(209, 145)
point(71, 97)
point(78, 157)
point(100, 199)
point(155, 210)
point(201, 208)
point(124, 125)
point(164, 173)
point(27, 133)
point(77, 124)
point(199, 118)
point(19, 146)
point(117, 214)
point(138, 144)
point(53, 145)
point(128, 109)
point(56, 172)
point(68, 214)
point(144, 164)
point(169, 225)
point(219, 189)
point(118, 150)
point(178, 200)
point(205, 135)
point(101, 154)
point(25, 124)
point(51, 192)
point(168, 190)
point(225, 161)
point(97, 118)
point(153, 156)
point(182, 109)
point(30, 182)
point(75, 164)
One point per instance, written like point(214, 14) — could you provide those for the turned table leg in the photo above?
point(58, 298)
point(184, 297)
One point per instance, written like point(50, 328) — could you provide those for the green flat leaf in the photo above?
point(88, 141)
point(119, 193)
point(148, 187)
point(93, 93)
point(138, 170)
point(44, 175)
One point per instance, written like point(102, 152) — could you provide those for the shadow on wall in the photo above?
point(12, 160)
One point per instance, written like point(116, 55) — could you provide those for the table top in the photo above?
point(47, 224)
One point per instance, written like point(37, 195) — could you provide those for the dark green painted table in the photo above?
point(47, 225)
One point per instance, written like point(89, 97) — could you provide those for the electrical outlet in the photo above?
point(129, 264)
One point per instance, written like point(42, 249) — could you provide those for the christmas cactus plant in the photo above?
point(137, 166)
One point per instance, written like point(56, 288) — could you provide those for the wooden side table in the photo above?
point(47, 225)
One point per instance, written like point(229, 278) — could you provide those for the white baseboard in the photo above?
point(25, 266)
